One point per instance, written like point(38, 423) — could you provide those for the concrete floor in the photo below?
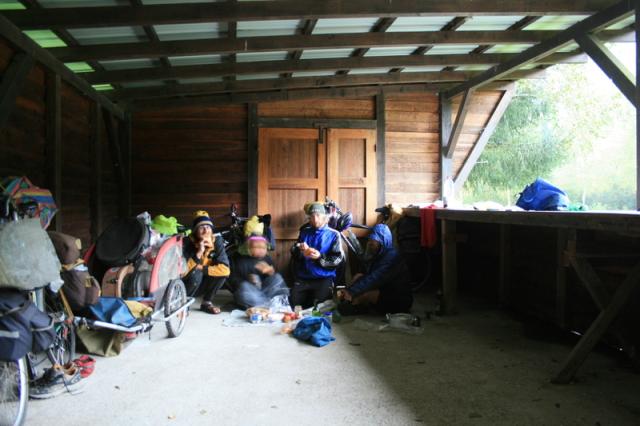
point(476, 368)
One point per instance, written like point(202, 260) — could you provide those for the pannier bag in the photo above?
point(23, 327)
point(67, 247)
point(27, 257)
point(541, 195)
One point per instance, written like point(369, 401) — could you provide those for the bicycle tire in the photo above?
point(63, 349)
point(175, 297)
point(14, 392)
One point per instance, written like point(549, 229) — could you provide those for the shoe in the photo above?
point(86, 364)
point(347, 309)
point(56, 381)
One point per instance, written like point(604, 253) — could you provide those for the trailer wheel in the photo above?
point(175, 297)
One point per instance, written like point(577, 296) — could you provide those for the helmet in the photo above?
point(344, 221)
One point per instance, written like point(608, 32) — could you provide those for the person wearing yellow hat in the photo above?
point(207, 262)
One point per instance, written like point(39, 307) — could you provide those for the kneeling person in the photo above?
point(255, 278)
point(386, 283)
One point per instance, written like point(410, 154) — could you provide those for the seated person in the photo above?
point(316, 256)
point(207, 262)
point(385, 285)
point(255, 279)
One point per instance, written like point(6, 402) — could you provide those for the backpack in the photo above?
point(23, 327)
point(541, 195)
point(80, 288)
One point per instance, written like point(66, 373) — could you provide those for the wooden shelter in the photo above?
point(120, 106)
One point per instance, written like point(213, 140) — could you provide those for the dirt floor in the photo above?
point(475, 368)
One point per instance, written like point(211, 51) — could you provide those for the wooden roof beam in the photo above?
point(289, 66)
point(591, 24)
point(301, 42)
point(109, 16)
point(456, 130)
point(306, 82)
point(380, 26)
point(307, 28)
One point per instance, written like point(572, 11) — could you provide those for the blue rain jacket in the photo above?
point(327, 241)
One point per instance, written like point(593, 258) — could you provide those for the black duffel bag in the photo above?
point(23, 327)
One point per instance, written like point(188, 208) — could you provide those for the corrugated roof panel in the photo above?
point(489, 23)
point(369, 71)
point(195, 60)
point(344, 26)
point(419, 23)
point(451, 49)
point(11, 5)
point(256, 76)
point(82, 3)
point(267, 28)
point(261, 56)
point(555, 22)
point(102, 87)
point(622, 24)
point(314, 73)
point(89, 36)
point(390, 51)
point(509, 48)
point(191, 31)
point(126, 64)
point(45, 38)
point(79, 67)
point(426, 68)
point(326, 53)
point(473, 67)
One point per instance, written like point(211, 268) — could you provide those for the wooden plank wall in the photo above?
point(22, 149)
point(188, 159)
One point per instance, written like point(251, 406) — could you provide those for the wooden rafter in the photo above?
point(13, 78)
point(301, 42)
point(591, 24)
point(611, 65)
point(456, 130)
point(307, 28)
point(305, 82)
point(289, 66)
point(89, 17)
point(380, 26)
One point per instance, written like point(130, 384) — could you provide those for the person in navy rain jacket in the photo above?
point(316, 255)
point(386, 283)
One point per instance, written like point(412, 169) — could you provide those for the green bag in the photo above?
point(100, 342)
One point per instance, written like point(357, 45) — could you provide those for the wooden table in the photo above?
point(610, 305)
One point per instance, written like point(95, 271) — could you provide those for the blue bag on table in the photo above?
point(316, 330)
point(541, 195)
point(113, 310)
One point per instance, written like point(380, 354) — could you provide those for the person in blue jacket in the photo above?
point(385, 285)
point(316, 255)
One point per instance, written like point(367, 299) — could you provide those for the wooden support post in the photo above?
point(124, 138)
point(598, 327)
point(610, 65)
point(446, 164)
point(561, 276)
point(505, 264)
point(456, 130)
point(252, 148)
point(12, 80)
point(53, 150)
point(381, 147)
point(95, 193)
point(449, 268)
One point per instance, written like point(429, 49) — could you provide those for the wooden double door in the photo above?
point(297, 166)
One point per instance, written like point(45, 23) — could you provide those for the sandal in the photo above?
point(210, 308)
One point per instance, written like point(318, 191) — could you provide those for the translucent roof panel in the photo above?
point(82, 3)
point(257, 76)
point(555, 22)
point(313, 73)
point(266, 28)
point(11, 5)
point(88, 36)
point(261, 56)
point(195, 60)
point(326, 53)
point(426, 68)
point(127, 64)
point(419, 23)
point(623, 23)
point(79, 67)
point(200, 80)
point(190, 31)
point(451, 49)
point(509, 48)
point(473, 67)
point(102, 87)
point(344, 26)
point(569, 47)
point(489, 23)
point(369, 71)
point(45, 38)
point(390, 51)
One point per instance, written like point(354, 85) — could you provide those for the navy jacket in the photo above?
point(327, 241)
point(388, 265)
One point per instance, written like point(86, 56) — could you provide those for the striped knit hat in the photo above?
point(200, 218)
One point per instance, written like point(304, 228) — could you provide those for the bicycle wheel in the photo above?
point(175, 297)
point(64, 345)
point(14, 392)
